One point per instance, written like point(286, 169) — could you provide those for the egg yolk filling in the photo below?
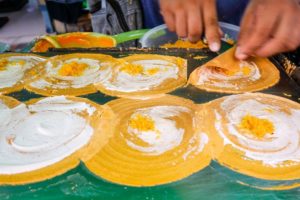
point(142, 123)
point(72, 69)
point(185, 44)
point(153, 71)
point(246, 70)
point(134, 70)
point(256, 126)
point(17, 62)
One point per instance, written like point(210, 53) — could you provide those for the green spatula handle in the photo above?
point(131, 35)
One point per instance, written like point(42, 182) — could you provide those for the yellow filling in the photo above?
point(153, 71)
point(3, 64)
point(72, 69)
point(132, 69)
point(246, 70)
point(141, 123)
point(185, 44)
point(18, 62)
point(256, 126)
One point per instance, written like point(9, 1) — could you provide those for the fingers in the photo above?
point(269, 27)
point(168, 14)
point(169, 20)
point(248, 21)
point(181, 23)
point(210, 19)
point(221, 32)
point(189, 17)
point(257, 29)
point(284, 39)
point(195, 27)
point(287, 35)
point(174, 16)
point(183, 17)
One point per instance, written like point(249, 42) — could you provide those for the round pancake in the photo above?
point(253, 75)
point(256, 134)
point(155, 142)
point(47, 137)
point(72, 74)
point(145, 76)
point(17, 70)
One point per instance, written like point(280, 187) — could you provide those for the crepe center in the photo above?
point(76, 74)
point(142, 123)
point(72, 69)
point(132, 69)
point(138, 69)
point(142, 75)
point(258, 127)
point(155, 130)
point(263, 131)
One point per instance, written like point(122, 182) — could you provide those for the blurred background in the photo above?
point(22, 20)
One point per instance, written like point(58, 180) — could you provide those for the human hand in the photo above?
point(269, 27)
point(190, 18)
